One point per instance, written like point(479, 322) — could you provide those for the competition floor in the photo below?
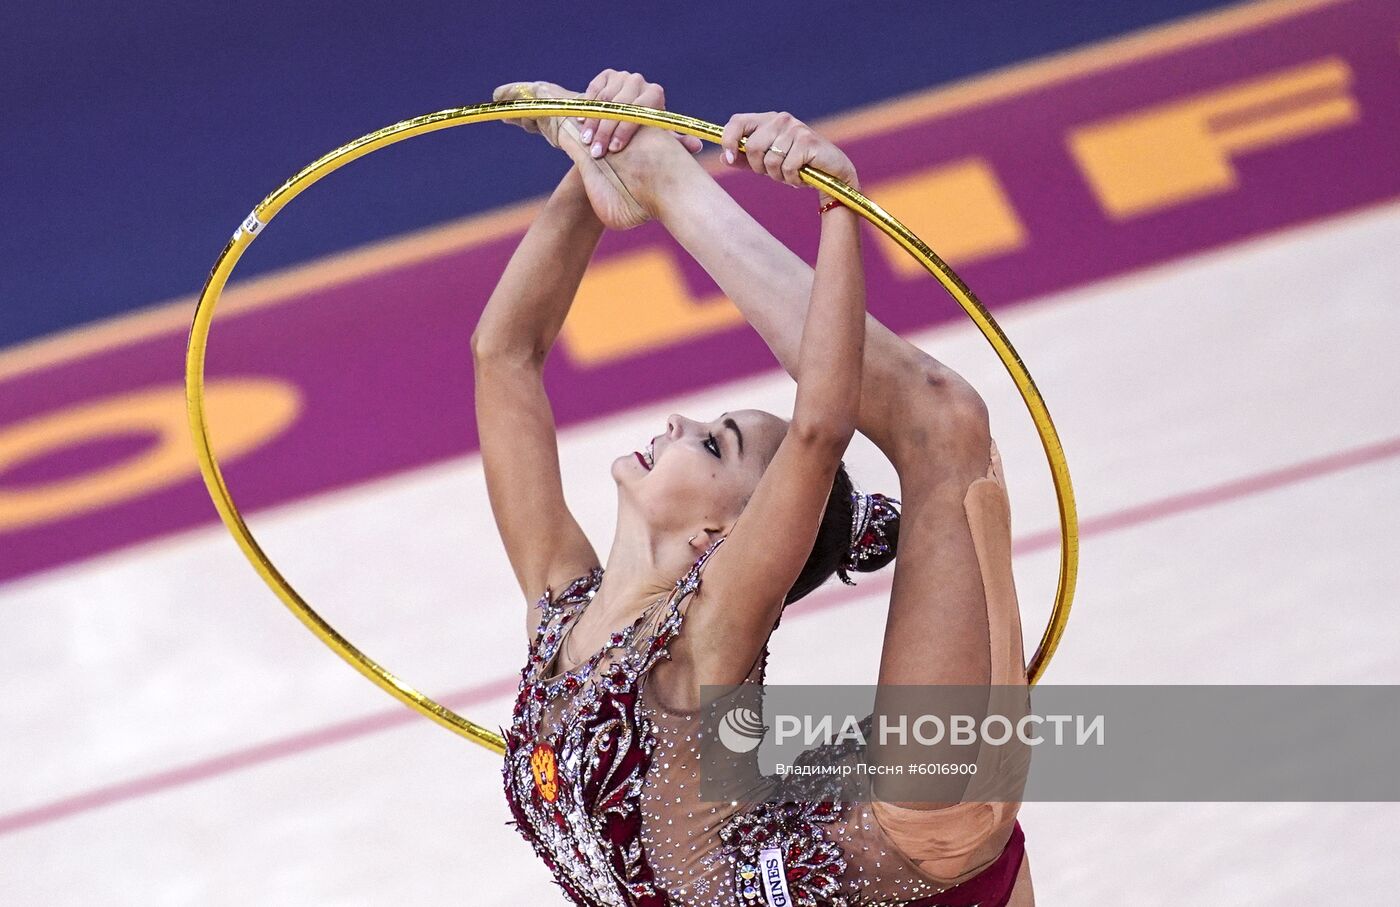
point(1236, 522)
point(1216, 345)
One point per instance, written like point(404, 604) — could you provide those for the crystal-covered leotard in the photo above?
point(604, 784)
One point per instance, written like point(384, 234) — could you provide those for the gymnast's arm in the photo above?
point(519, 446)
point(749, 576)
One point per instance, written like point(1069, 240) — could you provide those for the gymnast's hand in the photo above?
point(623, 87)
point(779, 144)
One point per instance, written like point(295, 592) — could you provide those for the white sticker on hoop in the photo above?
point(252, 225)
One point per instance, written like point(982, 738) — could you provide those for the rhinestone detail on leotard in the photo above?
point(604, 786)
point(589, 831)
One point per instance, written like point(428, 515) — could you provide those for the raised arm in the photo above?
point(519, 446)
point(770, 542)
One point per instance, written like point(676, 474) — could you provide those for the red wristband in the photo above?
point(835, 202)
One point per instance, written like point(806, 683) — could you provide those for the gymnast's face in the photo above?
point(698, 473)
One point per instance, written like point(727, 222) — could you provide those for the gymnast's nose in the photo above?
point(675, 425)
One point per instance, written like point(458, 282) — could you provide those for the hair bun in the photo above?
point(874, 534)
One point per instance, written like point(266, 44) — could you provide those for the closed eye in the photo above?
point(712, 445)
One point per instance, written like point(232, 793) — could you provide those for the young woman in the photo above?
point(602, 766)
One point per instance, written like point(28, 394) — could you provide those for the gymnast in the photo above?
point(723, 522)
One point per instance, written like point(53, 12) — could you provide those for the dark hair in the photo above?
point(833, 544)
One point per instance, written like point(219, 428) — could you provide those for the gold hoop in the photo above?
point(460, 116)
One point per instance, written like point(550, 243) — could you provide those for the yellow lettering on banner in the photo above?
point(959, 209)
point(1176, 152)
point(244, 413)
point(636, 302)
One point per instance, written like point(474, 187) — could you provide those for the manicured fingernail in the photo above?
point(728, 157)
point(587, 136)
point(615, 145)
point(580, 119)
point(597, 149)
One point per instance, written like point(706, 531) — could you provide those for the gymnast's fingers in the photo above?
point(734, 132)
point(602, 88)
point(651, 95)
point(692, 144)
point(588, 93)
point(799, 153)
point(629, 91)
point(759, 140)
point(779, 148)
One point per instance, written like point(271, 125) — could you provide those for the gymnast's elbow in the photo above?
point(491, 350)
point(829, 432)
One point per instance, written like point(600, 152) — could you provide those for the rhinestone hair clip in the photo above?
point(869, 514)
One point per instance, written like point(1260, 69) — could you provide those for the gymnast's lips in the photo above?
point(642, 460)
